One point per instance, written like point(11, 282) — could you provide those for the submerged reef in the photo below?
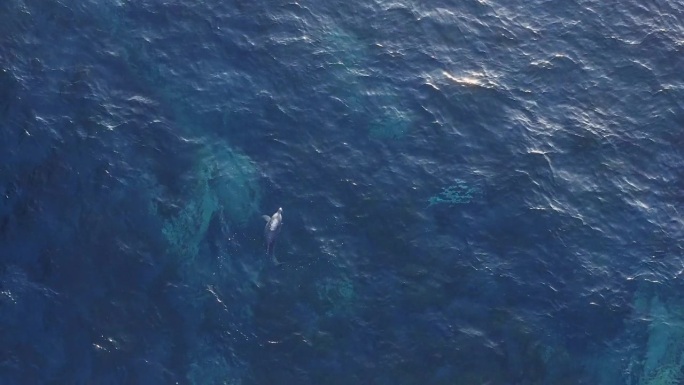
point(337, 293)
point(213, 291)
point(233, 178)
point(221, 180)
point(393, 124)
point(377, 104)
point(657, 323)
point(186, 229)
point(664, 356)
point(665, 375)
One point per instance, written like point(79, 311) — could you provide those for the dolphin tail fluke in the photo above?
point(270, 250)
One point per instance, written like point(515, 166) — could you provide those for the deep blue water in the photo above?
point(474, 192)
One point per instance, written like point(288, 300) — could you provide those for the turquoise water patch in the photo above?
point(346, 61)
point(368, 96)
point(458, 193)
point(233, 177)
point(657, 319)
point(344, 46)
point(338, 294)
point(393, 123)
point(222, 180)
point(390, 117)
point(210, 367)
point(664, 359)
point(186, 229)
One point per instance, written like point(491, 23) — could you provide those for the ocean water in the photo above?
point(474, 192)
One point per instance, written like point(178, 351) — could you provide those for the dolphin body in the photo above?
point(273, 224)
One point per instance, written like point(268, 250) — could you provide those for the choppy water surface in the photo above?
point(478, 192)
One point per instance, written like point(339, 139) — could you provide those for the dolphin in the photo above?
point(273, 224)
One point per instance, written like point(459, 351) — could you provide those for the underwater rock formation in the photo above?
point(653, 339)
point(222, 180)
point(664, 357)
point(377, 103)
point(337, 293)
point(393, 123)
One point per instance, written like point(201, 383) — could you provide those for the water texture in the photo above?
point(474, 192)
